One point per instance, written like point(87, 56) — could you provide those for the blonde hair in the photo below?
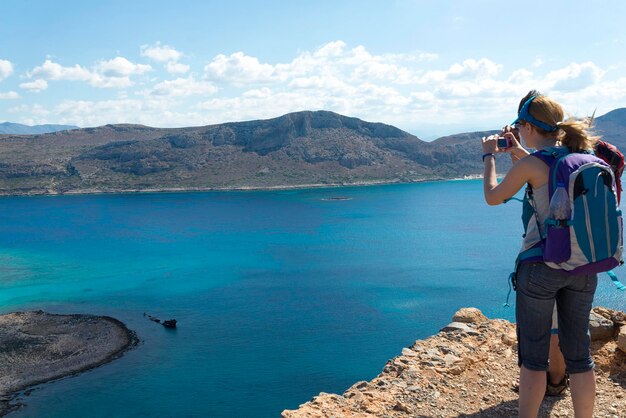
point(574, 133)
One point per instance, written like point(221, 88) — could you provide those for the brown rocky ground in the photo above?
point(37, 347)
point(469, 369)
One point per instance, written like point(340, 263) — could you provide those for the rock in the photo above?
point(409, 353)
point(399, 406)
point(447, 350)
point(451, 359)
point(36, 347)
point(510, 338)
point(456, 370)
point(170, 323)
point(360, 385)
point(456, 326)
point(473, 372)
point(600, 327)
point(469, 315)
point(411, 373)
point(618, 317)
point(433, 353)
point(621, 339)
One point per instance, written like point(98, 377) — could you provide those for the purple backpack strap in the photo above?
point(549, 158)
point(545, 156)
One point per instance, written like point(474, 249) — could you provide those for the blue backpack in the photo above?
point(591, 241)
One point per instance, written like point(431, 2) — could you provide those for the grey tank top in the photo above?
point(542, 203)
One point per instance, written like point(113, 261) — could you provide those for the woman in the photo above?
point(557, 378)
point(541, 126)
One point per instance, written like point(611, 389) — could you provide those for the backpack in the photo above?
point(591, 240)
point(615, 159)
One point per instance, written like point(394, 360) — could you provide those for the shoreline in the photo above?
point(239, 188)
point(38, 347)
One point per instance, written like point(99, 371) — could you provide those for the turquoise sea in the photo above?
point(279, 295)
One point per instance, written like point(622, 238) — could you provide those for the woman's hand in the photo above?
point(516, 150)
point(511, 129)
point(490, 144)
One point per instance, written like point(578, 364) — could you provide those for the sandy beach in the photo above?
point(37, 347)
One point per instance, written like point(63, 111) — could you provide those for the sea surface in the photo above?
point(279, 295)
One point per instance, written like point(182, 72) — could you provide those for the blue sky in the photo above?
point(428, 67)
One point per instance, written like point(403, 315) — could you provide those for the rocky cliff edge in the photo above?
point(469, 369)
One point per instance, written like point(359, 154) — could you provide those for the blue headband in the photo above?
point(525, 115)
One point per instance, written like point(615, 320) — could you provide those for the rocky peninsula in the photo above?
point(37, 347)
point(469, 369)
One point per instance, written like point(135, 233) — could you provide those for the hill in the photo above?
point(612, 127)
point(19, 129)
point(295, 150)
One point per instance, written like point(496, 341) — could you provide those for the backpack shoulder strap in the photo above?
point(545, 156)
point(550, 155)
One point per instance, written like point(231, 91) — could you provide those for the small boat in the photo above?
point(337, 198)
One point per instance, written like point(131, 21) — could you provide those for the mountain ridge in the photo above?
point(10, 128)
point(298, 149)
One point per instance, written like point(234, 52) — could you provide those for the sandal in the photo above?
point(557, 389)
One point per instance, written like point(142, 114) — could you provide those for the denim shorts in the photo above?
point(538, 287)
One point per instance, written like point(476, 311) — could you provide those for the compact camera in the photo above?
point(504, 142)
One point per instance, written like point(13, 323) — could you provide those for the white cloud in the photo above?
point(374, 69)
point(574, 77)
point(35, 114)
point(520, 76)
point(173, 67)
point(332, 60)
point(160, 53)
point(114, 73)
point(368, 101)
point(167, 55)
point(257, 105)
point(404, 89)
point(331, 49)
point(152, 111)
point(6, 69)
point(261, 93)
point(120, 67)
point(324, 82)
point(96, 113)
point(52, 71)
point(472, 69)
point(239, 68)
point(35, 85)
point(11, 95)
point(382, 94)
point(181, 87)
point(427, 56)
point(101, 81)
